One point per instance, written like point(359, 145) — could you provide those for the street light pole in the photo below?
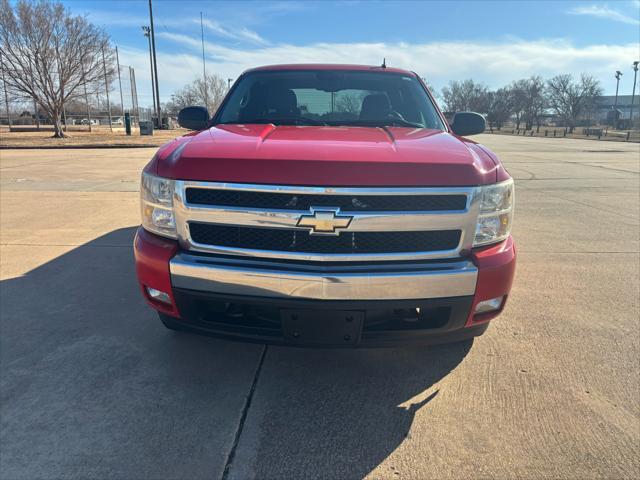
point(155, 66)
point(147, 33)
point(615, 105)
point(618, 75)
point(204, 66)
point(229, 80)
point(633, 92)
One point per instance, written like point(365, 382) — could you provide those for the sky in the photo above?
point(490, 41)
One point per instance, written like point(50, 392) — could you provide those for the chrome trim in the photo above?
point(464, 220)
point(324, 190)
point(432, 281)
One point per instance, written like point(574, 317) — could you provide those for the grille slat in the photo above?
point(348, 203)
point(288, 240)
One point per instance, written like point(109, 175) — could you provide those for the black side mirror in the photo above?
point(193, 118)
point(467, 123)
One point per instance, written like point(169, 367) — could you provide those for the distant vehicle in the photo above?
point(117, 121)
point(86, 121)
point(366, 218)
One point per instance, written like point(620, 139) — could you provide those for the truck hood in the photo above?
point(336, 156)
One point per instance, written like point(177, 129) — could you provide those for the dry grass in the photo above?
point(612, 136)
point(98, 137)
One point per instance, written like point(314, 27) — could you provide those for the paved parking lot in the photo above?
point(92, 386)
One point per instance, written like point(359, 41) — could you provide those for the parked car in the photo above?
point(327, 205)
point(86, 121)
point(117, 121)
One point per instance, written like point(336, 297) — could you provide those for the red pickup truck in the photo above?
point(327, 205)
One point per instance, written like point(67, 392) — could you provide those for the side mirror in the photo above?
point(193, 118)
point(467, 123)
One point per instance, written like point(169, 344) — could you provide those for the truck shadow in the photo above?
point(93, 386)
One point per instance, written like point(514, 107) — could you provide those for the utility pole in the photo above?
point(147, 33)
point(120, 83)
point(106, 87)
point(204, 66)
point(6, 95)
point(633, 92)
point(155, 66)
point(229, 80)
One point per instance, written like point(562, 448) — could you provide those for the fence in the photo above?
point(104, 107)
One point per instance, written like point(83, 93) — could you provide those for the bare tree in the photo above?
point(569, 99)
point(534, 100)
point(348, 102)
point(209, 94)
point(500, 107)
point(48, 54)
point(518, 92)
point(465, 95)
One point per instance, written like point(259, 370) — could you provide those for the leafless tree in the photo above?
point(196, 92)
point(528, 100)
point(349, 103)
point(48, 54)
point(569, 99)
point(500, 107)
point(465, 95)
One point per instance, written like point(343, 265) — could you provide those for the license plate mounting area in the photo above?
point(322, 327)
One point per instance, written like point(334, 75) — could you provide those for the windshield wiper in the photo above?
point(278, 121)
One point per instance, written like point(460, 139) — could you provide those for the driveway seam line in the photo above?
point(243, 416)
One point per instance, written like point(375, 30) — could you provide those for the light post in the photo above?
point(155, 66)
point(204, 65)
point(615, 105)
point(147, 33)
point(229, 80)
point(633, 92)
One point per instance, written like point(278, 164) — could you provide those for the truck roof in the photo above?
point(330, 66)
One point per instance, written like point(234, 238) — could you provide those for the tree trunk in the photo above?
point(56, 117)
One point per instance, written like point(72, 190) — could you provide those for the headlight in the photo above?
point(496, 213)
point(156, 199)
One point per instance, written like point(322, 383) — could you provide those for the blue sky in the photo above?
point(493, 42)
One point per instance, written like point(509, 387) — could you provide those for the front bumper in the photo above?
point(425, 302)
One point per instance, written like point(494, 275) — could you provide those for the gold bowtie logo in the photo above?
point(324, 222)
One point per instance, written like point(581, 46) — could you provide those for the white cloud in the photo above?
point(232, 33)
point(495, 63)
point(603, 11)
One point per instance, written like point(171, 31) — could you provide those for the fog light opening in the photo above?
point(158, 295)
point(487, 306)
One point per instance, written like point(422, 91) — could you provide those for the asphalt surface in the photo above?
point(92, 386)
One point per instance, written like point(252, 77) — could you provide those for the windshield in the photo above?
point(330, 97)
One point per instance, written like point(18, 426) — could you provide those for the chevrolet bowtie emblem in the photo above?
point(324, 221)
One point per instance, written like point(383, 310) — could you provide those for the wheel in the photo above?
point(171, 323)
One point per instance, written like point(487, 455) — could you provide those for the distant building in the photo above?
point(605, 104)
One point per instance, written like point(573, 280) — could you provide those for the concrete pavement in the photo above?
point(92, 386)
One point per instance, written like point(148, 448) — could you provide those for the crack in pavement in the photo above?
point(243, 417)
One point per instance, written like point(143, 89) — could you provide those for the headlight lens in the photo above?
point(496, 213)
point(156, 198)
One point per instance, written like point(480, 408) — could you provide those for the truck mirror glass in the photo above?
point(193, 118)
point(467, 123)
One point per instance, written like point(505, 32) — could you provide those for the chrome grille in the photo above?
point(291, 240)
point(387, 223)
point(297, 201)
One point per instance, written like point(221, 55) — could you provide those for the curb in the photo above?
point(69, 147)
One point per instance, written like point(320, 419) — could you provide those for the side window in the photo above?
point(238, 102)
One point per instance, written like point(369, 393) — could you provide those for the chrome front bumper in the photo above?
point(280, 280)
